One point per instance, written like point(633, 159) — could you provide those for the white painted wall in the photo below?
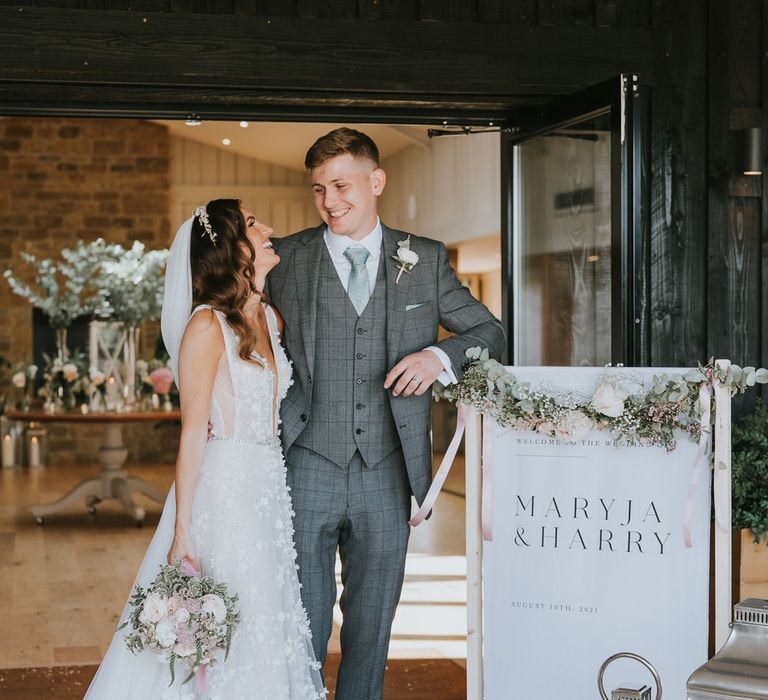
point(448, 189)
point(199, 173)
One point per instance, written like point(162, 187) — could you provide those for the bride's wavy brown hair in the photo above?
point(222, 271)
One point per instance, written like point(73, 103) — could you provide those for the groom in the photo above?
point(356, 422)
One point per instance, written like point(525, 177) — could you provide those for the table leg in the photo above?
point(113, 482)
point(89, 489)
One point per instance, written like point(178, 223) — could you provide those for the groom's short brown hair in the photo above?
point(338, 142)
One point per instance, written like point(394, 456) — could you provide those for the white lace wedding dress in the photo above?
point(243, 533)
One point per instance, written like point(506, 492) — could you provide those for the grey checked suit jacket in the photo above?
point(429, 296)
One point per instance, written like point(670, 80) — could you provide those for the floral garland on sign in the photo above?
point(621, 403)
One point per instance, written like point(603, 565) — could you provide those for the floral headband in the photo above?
point(202, 214)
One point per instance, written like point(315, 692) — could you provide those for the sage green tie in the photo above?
point(358, 289)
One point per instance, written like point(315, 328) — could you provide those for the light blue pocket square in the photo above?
point(411, 307)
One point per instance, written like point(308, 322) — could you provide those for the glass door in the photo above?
point(571, 235)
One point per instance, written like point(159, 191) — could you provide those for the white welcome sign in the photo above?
point(588, 560)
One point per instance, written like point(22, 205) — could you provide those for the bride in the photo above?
point(229, 511)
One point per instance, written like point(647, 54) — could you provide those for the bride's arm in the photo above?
point(199, 355)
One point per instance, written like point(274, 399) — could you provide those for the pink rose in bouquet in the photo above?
point(162, 379)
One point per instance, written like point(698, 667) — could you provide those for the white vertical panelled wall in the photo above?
point(278, 196)
point(448, 189)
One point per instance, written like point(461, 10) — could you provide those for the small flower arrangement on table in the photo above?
point(65, 384)
point(155, 381)
point(23, 380)
point(182, 617)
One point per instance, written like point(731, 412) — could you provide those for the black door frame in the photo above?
point(629, 334)
point(625, 101)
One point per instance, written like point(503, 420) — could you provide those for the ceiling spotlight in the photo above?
point(593, 258)
point(244, 124)
point(226, 142)
point(193, 120)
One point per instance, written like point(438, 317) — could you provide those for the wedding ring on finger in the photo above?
point(417, 380)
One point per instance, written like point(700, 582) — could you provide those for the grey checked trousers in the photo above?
point(364, 512)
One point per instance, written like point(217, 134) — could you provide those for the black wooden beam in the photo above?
point(164, 57)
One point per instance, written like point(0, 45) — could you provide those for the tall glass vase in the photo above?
point(129, 358)
point(62, 352)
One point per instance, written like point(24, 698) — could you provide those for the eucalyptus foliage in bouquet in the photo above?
point(62, 289)
point(182, 617)
point(621, 403)
point(130, 283)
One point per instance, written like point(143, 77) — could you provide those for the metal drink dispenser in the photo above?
point(739, 671)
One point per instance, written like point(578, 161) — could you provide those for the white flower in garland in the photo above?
point(405, 258)
point(609, 399)
point(574, 425)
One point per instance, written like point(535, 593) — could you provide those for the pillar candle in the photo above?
point(9, 451)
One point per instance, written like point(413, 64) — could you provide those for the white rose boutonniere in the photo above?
point(405, 258)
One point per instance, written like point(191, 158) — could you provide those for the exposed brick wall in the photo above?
point(68, 179)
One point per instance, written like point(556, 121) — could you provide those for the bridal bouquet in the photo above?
point(182, 617)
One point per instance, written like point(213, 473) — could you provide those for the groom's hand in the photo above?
point(414, 374)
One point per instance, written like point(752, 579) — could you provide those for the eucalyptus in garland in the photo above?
point(621, 403)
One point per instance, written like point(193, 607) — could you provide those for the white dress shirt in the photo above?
point(337, 244)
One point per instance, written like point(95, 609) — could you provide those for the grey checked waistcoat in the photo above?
point(350, 407)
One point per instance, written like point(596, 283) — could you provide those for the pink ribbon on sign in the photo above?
point(202, 682)
point(489, 435)
point(705, 397)
point(443, 470)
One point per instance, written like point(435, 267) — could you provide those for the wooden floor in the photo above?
point(65, 582)
point(417, 679)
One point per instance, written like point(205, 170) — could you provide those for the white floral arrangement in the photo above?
point(95, 277)
point(130, 284)
point(62, 288)
point(182, 618)
point(620, 403)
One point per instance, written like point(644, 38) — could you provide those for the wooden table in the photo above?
point(113, 481)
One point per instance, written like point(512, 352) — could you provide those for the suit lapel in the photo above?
point(307, 274)
point(397, 294)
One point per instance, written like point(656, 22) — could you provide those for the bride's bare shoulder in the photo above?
point(204, 327)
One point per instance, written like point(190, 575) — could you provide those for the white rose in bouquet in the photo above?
point(155, 608)
point(608, 399)
point(214, 605)
point(185, 649)
point(165, 632)
point(70, 372)
point(32, 371)
point(181, 615)
point(574, 425)
point(19, 380)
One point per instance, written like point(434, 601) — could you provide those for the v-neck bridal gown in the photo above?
point(243, 534)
